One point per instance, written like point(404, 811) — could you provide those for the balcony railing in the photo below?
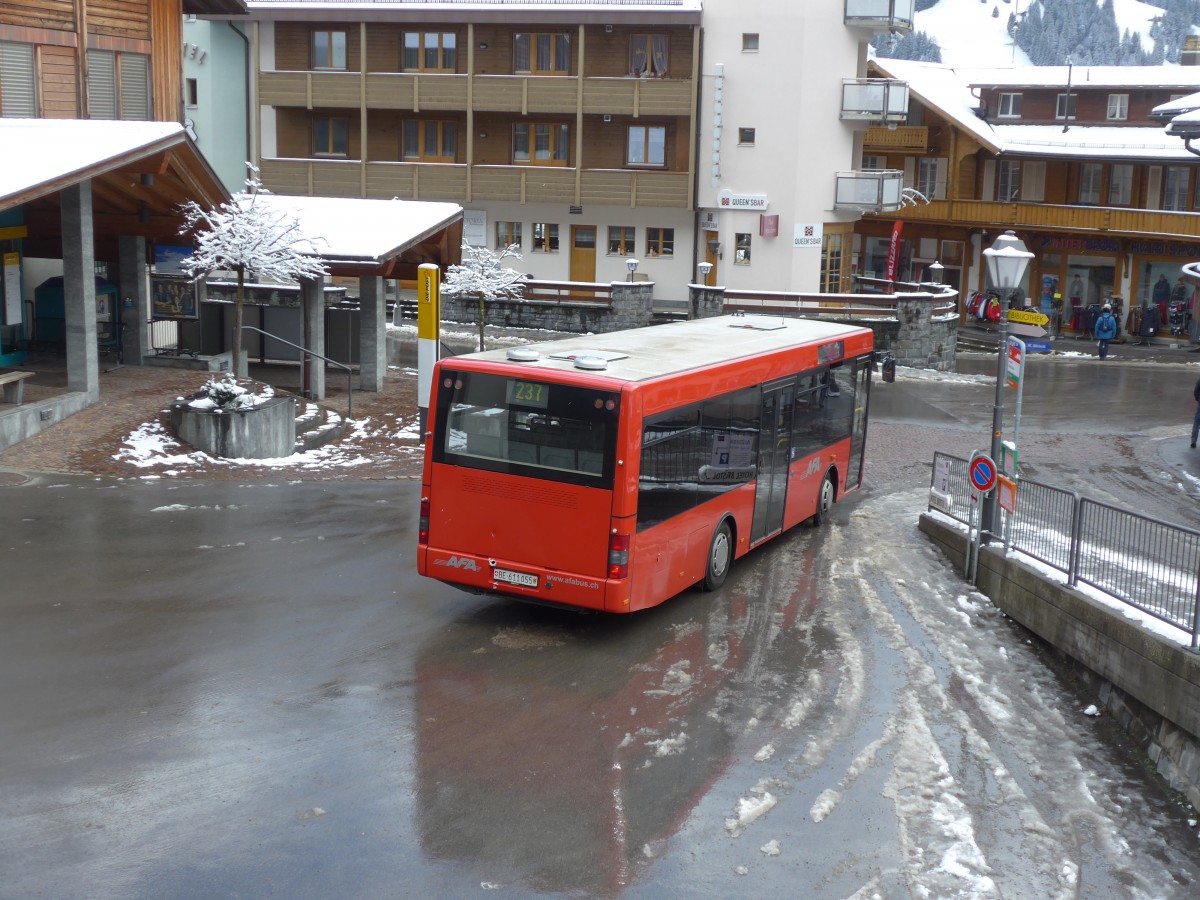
point(881, 15)
point(461, 183)
point(1054, 217)
point(872, 190)
point(518, 94)
point(912, 138)
point(875, 100)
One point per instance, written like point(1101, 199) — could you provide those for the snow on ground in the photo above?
point(970, 36)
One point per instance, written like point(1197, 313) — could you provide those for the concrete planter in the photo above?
point(267, 431)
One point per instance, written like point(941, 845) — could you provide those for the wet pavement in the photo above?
point(232, 683)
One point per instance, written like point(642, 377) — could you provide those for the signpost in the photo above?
point(1038, 347)
point(1026, 331)
point(1028, 317)
point(982, 474)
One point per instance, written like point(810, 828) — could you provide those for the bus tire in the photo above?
point(720, 557)
point(825, 500)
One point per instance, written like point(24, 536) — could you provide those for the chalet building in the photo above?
point(590, 134)
point(1070, 158)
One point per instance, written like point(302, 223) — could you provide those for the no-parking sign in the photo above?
point(982, 472)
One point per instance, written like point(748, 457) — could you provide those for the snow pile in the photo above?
point(225, 394)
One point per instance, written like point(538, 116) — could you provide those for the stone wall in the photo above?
point(1150, 685)
point(631, 306)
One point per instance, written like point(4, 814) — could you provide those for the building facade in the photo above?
point(1070, 158)
point(216, 59)
point(591, 135)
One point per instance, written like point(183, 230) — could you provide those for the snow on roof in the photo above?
point(1092, 141)
point(358, 230)
point(1082, 77)
point(940, 87)
point(948, 90)
point(34, 152)
point(1185, 104)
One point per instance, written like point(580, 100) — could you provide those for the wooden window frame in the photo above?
point(556, 39)
point(507, 234)
point(621, 240)
point(424, 126)
point(558, 137)
point(1181, 192)
point(1008, 170)
point(549, 242)
point(11, 59)
point(660, 242)
point(643, 62)
point(120, 93)
point(331, 153)
point(742, 245)
point(645, 132)
point(314, 52)
point(423, 49)
point(832, 261)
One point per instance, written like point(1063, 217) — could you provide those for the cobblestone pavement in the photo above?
point(96, 441)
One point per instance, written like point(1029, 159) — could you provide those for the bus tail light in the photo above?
point(618, 556)
point(423, 524)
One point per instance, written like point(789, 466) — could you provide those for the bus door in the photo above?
point(774, 454)
point(858, 436)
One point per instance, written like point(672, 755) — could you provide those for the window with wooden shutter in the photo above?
point(135, 86)
point(102, 84)
point(18, 82)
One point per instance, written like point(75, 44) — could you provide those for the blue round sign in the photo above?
point(982, 473)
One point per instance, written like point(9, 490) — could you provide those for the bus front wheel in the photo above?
point(720, 555)
point(825, 500)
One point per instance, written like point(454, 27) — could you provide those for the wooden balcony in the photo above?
point(521, 94)
point(1049, 217)
point(419, 93)
point(438, 181)
point(909, 138)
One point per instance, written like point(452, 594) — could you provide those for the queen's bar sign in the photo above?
point(807, 236)
point(730, 200)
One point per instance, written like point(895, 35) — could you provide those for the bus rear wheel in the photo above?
point(825, 501)
point(720, 555)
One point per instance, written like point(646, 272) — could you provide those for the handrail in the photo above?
point(349, 371)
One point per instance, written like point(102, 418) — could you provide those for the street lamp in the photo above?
point(705, 268)
point(935, 272)
point(1007, 259)
point(631, 264)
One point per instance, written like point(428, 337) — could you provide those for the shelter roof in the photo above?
point(140, 172)
point(361, 236)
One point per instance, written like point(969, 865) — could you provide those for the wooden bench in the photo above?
point(14, 385)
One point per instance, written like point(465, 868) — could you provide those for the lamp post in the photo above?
point(935, 272)
point(1007, 260)
point(705, 268)
point(631, 264)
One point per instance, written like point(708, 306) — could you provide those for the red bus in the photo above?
point(612, 471)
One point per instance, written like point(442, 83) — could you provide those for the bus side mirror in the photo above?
point(888, 368)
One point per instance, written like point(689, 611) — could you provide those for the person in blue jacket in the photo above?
point(1105, 329)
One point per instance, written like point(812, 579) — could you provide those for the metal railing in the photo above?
point(1144, 562)
point(307, 352)
point(873, 302)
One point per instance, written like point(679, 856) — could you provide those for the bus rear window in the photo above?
point(527, 427)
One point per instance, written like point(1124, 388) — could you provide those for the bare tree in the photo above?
point(481, 274)
point(245, 236)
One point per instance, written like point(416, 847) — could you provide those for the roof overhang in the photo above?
point(480, 12)
point(140, 174)
point(214, 7)
point(360, 237)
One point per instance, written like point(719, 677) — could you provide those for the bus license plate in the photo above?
point(522, 578)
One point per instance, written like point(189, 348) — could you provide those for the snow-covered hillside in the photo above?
point(970, 35)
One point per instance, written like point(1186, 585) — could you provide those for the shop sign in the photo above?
point(1028, 316)
point(730, 200)
point(474, 225)
point(806, 236)
point(1057, 242)
point(708, 220)
point(768, 226)
point(1164, 248)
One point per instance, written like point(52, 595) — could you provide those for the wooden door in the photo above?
point(583, 253)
